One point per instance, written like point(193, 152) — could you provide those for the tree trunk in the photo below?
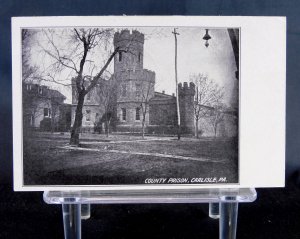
point(52, 125)
point(143, 129)
point(106, 125)
point(33, 120)
point(52, 120)
point(74, 140)
point(107, 129)
point(196, 129)
point(215, 130)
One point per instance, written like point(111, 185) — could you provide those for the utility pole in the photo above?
point(176, 80)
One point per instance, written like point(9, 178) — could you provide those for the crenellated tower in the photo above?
point(135, 84)
point(186, 101)
point(131, 53)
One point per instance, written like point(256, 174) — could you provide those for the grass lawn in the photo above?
point(102, 160)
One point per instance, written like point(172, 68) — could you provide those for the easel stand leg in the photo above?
point(72, 220)
point(85, 211)
point(228, 220)
point(214, 210)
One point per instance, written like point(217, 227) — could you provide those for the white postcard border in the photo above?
point(262, 94)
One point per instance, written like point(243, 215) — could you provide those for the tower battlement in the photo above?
point(186, 88)
point(126, 35)
point(133, 45)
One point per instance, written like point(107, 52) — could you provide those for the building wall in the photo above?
point(100, 98)
point(64, 123)
point(89, 120)
point(162, 114)
point(163, 110)
point(38, 112)
point(130, 124)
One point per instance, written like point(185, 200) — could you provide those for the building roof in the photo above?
point(162, 96)
point(45, 91)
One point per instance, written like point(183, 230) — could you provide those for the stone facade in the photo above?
point(135, 84)
point(135, 99)
point(132, 90)
point(98, 103)
point(186, 101)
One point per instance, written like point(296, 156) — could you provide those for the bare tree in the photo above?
point(108, 96)
point(29, 71)
point(56, 99)
point(216, 117)
point(76, 56)
point(207, 95)
point(144, 95)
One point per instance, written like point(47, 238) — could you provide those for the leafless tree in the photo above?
point(29, 71)
point(144, 95)
point(108, 94)
point(216, 116)
point(78, 57)
point(207, 95)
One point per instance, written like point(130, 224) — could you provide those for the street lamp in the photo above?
point(206, 38)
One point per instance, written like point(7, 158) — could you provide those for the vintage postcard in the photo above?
point(141, 102)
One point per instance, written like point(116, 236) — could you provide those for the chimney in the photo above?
point(163, 91)
point(173, 94)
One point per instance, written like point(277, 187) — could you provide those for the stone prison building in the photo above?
point(121, 103)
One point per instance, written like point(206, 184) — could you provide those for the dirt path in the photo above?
point(202, 159)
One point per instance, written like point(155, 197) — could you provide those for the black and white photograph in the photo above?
point(130, 105)
point(135, 105)
point(153, 119)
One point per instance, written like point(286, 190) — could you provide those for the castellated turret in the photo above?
point(131, 55)
point(186, 101)
point(135, 85)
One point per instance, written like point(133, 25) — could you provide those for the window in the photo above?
point(40, 90)
point(88, 96)
point(47, 112)
point(123, 111)
point(120, 56)
point(137, 114)
point(123, 90)
point(88, 115)
point(140, 57)
point(28, 87)
point(138, 89)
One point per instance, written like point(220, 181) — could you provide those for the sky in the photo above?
point(216, 61)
